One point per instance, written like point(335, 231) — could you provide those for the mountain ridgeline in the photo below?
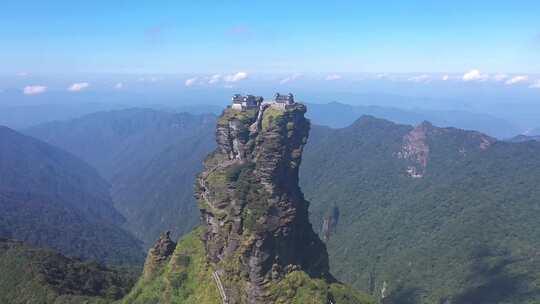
point(149, 157)
point(50, 198)
point(524, 138)
point(427, 214)
point(256, 244)
point(339, 115)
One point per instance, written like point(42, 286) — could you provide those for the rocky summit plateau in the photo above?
point(256, 244)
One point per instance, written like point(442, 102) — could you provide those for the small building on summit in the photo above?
point(285, 99)
point(280, 101)
point(240, 102)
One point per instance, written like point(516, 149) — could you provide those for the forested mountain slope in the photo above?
point(150, 157)
point(430, 215)
point(37, 276)
point(50, 198)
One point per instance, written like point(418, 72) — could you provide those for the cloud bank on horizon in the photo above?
point(236, 80)
point(226, 80)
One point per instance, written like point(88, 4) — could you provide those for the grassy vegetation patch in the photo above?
point(272, 117)
point(298, 288)
point(186, 279)
point(245, 117)
point(30, 275)
point(247, 189)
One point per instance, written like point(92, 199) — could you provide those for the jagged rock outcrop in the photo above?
point(257, 217)
point(158, 254)
point(256, 245)
point(416, 148)
point(164, 247)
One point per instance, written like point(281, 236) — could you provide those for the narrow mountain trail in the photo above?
point(215, 275)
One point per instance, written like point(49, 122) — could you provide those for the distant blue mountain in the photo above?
point(50, 198)
point(25, 116)
point(150, 157)
point(339, 115)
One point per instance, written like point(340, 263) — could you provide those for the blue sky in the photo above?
point(63, 37)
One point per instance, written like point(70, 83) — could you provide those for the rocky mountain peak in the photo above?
point(419, 144)
point(164, 247)
point(256, 215)
point(256, 244)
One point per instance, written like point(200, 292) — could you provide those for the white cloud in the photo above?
point(420, 78)
point(190, 82)
point(236, 77)
point(77, 87)
point(22, 74)
point(34, 89)
point(214, 79)
point(333, 77)
point(500, 77)
point(475, 75)
point(445, 77)
point(290, 78)
point(119, 86)
point(535, 85)
point(228, 86)
point(517, 79)
point(150, 79)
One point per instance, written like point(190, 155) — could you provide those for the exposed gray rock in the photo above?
point(257, 217)
point(164, 247)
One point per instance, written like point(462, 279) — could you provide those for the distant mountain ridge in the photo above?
point(50, 198)
point(150, 157)
point(524, 138)
point(20, 117)
point(534, 132)
point(28, 164)
point(339, 115)
point(332, 114)
point(104, 139)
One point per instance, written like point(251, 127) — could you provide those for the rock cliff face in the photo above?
point(416, 149)
point(158, 255)
point(257, 217)
point(256, 245)
point(416, 146)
